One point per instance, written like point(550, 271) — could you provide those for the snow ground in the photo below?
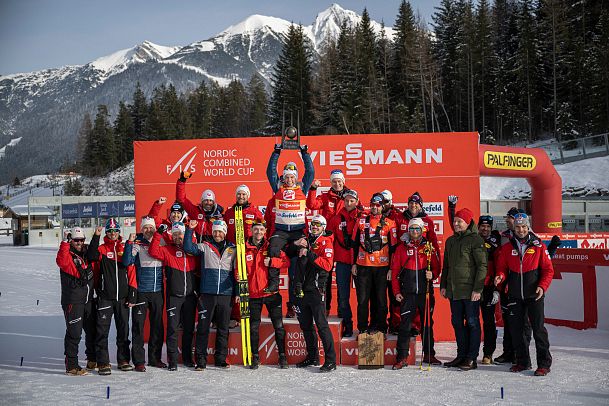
point(580, 374)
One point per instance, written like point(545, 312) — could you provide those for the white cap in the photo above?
point(178, 226)
point(219, 225)
point(387, 195)
point(78, 233)
point(417, 221)
point(337, 174)
point(243, 188)
point(290, 169)
point(147, 221)
point(208, 195)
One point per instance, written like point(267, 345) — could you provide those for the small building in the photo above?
point(25, 217)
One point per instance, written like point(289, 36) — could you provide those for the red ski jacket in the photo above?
point(409, 265)
point(180, 267)
point(341, 226)
point(77, 275)
point(524, 272)
point(257, 272)
point(250, 213)
point(117, 280)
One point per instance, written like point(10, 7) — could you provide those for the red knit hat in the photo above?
point(465, 214)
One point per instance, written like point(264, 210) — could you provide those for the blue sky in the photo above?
point(39, 34)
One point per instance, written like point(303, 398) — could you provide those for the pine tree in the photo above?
point(124, 134)
point(292, 83)
point(599, 60)
point(139, 113)
point(256, 106)
point(82, 141)
point(101, 153)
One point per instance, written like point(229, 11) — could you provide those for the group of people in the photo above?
point(185, 265)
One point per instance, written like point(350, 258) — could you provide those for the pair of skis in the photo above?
point(244, 295)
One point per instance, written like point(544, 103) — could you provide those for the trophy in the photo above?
point(290, 139)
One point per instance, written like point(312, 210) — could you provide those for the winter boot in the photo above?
point(400, 364)
point(91, 365)
point(453, 363)
point(542, 371)
point(77, 371)
point(504, 358)
point(125, 366)
point(255, 361)
point(307, 363)
point(104, 369)
point(328, 366)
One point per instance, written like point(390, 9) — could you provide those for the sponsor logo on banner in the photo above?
point(509, 161)
point(181, 166)
point(438, 226)
point(555, 224)
point(594, 243)
point(354, 158)
point(289, 205)
point(289, 194)
point(434, 209)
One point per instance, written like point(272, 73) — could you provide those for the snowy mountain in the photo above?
point(45, 108)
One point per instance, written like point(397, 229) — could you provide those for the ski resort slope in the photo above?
point(580, 374)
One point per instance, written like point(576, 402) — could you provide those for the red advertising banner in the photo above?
point(436, 165)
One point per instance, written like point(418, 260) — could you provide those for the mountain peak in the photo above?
point(256, 22)
point(120, 60)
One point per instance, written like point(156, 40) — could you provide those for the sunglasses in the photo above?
point(414, 229)
point(78, 239)
point(375, 205)
point(415, 199)
point(113, 230)
point(316, 223)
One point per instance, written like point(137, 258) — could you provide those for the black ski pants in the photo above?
point(151, 303)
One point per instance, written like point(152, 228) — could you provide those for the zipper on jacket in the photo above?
point(184, 254)
point(416, 265)
point(116, 269)
point(154, 277)
point(87, 299)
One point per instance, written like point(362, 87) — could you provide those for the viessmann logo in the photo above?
point(179, 166)
point(354, 158)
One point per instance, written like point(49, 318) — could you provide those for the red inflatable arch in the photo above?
point(534, 165)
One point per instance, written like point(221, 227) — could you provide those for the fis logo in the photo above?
point(179, 166)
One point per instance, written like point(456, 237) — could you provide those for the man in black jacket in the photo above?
point(77, 300)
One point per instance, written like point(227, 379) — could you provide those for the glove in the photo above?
point(298, 289)
point(184, 176)
point(277, 149)
point(304, 149)
point(322, 290)
point(162, 228)
point(86, 274)
point(495, 298)
point(554, 244)
point(452, 200)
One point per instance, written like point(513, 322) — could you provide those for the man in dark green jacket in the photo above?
point(462, 282)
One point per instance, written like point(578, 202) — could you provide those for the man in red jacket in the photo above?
point(342, 226)
point(315, 260)
point(116, 294)
point(77, 282)
point(258, 261)
point(413, 267)
point(526, 267)
point(328, 203)
point(205, 212)
point(180, 289)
